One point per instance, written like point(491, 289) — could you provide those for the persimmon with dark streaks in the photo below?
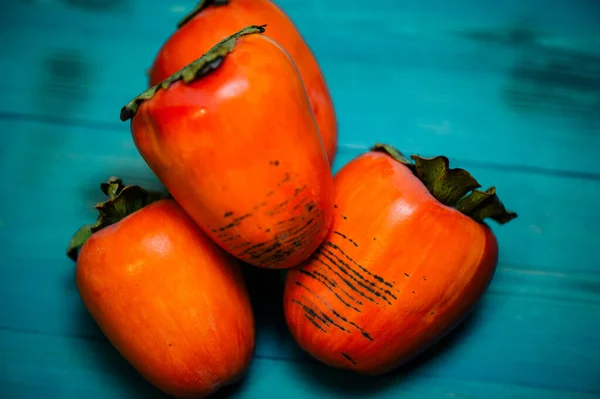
point(211, 20)
point(407, 258)
point(233, 139)
point(172, 302)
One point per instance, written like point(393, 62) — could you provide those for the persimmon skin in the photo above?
point(251, 173)
point(171, 302)
point(213, 23)
point(397, 272)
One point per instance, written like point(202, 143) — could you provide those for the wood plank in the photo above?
point(554, 232)
point(519, 82)
point(529, 325)
point(63, 367)
point(545, 295)
point(388, 70)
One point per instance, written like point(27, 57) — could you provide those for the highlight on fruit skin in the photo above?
point(257, 182)
point(154, 284)
point(212, 20)
point(407, 258)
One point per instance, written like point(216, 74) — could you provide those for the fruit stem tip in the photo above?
point(455, 187)
point(202, 66)
point(122, 201)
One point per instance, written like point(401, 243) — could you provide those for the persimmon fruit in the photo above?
point(210, 21)
point(233, 139)
point(170, 300)
point(407, 258)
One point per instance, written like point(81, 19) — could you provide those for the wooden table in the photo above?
point(510, 91)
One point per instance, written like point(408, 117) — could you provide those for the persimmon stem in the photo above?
point(199, 7)
point(122, 201)
point(210, 61)
point(453, 187)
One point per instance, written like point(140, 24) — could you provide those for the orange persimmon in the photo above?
point(172, 302)
point(212, 20)
point(407, 258)
point(233, 139)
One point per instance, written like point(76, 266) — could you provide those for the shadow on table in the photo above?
point(348, 384)
point(109, 362)
point(266, 292)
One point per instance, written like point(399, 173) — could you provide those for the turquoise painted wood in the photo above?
point(510, 91)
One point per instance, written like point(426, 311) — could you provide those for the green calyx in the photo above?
point(455, 188)
point(122, 201)
point(210, 61)
point(199, 7)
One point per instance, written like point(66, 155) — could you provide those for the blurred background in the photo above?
point(509, 90)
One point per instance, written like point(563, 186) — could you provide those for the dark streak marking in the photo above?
point(301, 234)
point(376, 277)
point(300, 203)
point(303, 227)
point(320, 277)
point(327, 318)
point(270, 193)
point(230, 225)
point(314, 323)
point(299, 190)
point(309, 207)
point(286, 221)
point(239, 219)
point(290, 236)
point(346, 238)
point(256, 207)
point(337, 274)
point(360, 276)
point(348, 357)
point(285, 179)
point(310, 311)
point(333, 283)
point(406, 274)
point(348, 283)
point(367, 336)
point(339, 316)
point(234, 223)
point(277, 208)
point(281, 206)
point(268, 230)
point(314, 275)
point(272, 248)
point(255, 246)
point(335, 206)
point(344, 217)
point(231, 238)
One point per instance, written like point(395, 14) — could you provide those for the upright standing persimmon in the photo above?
point(233, 139)
point(212, 20)
point(170, 300)
point(405, 261)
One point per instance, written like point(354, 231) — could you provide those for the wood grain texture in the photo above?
point(403, 70)
point(510, 92)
